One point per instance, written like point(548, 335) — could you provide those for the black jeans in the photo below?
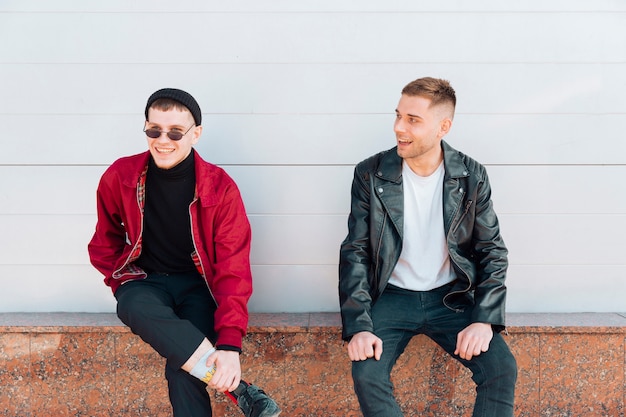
point(399, 315)
point(173, 313)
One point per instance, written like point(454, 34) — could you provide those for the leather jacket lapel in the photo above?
point(388, 188)
point(453, 191)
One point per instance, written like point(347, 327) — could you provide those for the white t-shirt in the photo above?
point(424, 262)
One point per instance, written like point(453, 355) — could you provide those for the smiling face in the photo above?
point(419, 128)
point(168, 153)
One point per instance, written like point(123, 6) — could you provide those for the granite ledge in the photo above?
point(60, 323)
point(517, 323)
point(583, 323)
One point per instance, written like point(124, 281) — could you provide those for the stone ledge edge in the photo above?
point(517, 323)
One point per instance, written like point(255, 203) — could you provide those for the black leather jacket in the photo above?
point(370, 251)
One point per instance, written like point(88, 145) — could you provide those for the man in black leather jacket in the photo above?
point(424, 255)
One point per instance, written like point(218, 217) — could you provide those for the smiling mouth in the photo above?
point(404, 141)
point(164, 150)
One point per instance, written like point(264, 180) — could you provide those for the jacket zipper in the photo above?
point(467, 207)
point(469, 286)
point(195, 248)
point(116, 274)
point(457, 310)
point(378, 248)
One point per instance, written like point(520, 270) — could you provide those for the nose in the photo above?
point(398, 125)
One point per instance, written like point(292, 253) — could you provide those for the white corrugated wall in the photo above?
point(293, 95)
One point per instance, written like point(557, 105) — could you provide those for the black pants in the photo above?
point(173, 313)
point(401, 314)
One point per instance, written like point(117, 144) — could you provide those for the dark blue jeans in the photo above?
point(399, 315)
point(173, 313)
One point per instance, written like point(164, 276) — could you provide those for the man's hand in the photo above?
point(364, 345)
point(227, 370)
point(473, 340)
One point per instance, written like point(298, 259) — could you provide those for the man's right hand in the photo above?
point(365, 345)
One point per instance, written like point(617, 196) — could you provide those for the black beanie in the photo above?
point(180, 96)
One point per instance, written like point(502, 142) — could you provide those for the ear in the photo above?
point(196, 135)
point(444, 126)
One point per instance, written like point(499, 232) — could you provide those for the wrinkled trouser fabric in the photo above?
point(173, 313)
point(401, 314)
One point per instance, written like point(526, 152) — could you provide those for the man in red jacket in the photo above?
point(173, 242)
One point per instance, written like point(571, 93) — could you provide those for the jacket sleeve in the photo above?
point(109, 238)
point(491, 260)
point(231, 280)
point(355, 264)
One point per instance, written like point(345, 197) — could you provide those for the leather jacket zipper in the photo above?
point(469, 287)
point(467, 207)
point(380, 240)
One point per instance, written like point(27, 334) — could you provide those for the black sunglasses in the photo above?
point(155, 133)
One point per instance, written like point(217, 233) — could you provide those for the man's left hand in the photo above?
point(473, 340)
point(227, 370)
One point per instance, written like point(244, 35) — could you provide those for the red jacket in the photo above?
point(221, 236)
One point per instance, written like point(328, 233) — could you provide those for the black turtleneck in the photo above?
point(167, 241)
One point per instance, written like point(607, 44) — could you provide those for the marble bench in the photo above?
point(89, 364)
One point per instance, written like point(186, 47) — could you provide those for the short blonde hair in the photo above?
point(437, 90)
